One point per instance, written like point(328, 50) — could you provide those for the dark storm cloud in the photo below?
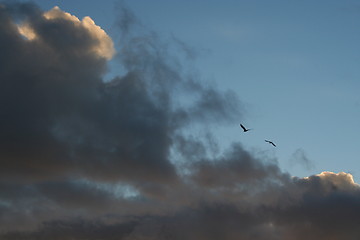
point(59, 117)
point(316, 210)
point(60, 121)
point(236, 167)
point(24, 206)
point(324, 206)
point(76, 229)
point(85, 159)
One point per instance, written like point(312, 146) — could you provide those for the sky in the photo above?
point(120, 119)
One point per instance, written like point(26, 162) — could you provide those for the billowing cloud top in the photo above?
point(103, 45)
point(84, 158)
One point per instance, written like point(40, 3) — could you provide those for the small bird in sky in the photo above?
point(244, 128)
point(270, 142)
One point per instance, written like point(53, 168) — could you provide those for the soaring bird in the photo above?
point(244, 128)
point(270, 142)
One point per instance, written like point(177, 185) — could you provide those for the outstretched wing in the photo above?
point(270, 142)
point(243, 127)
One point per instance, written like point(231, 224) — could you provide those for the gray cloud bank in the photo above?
point(82, 158)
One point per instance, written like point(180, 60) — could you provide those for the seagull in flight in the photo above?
point(270, 142)
point(244, 128)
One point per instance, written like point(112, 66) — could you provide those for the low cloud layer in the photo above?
point(85, 158)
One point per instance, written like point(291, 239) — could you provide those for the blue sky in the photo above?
point(293, 64)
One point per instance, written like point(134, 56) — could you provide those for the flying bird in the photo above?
point(244, 128)
point(270, 142)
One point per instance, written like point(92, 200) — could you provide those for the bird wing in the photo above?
point(242, 127)
point(270, 142)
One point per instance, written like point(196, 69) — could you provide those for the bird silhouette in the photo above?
point(270, 142)
point(244, 128)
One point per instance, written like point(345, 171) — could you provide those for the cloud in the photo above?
point(300, 157)
point(103, 45)
point(324, 206)
point(300, 211)
point(61, 119)
point(82, 158)
point(236, 167)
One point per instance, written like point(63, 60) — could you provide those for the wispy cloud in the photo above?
point(299, 157)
